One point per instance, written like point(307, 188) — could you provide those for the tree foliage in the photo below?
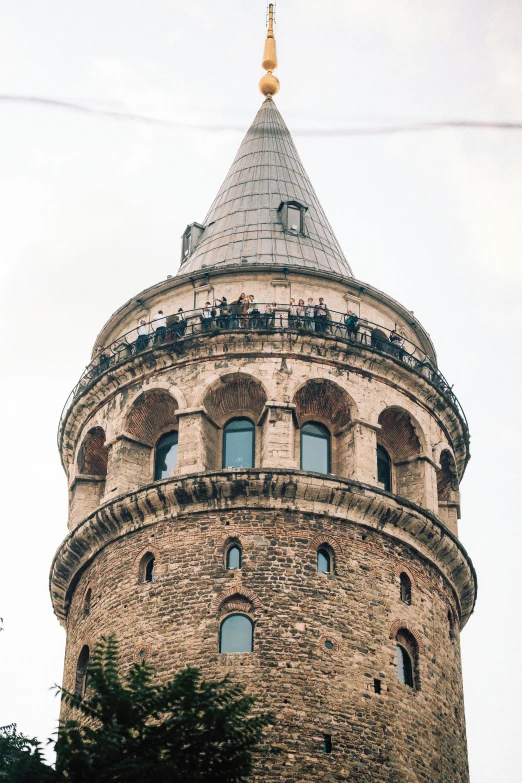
point(21, 759)
point(129, 730)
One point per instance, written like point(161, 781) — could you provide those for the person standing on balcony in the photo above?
point(300, 313)
point(143, 337)
point(103, 359)
point(207, 317)
point(253, 312)
point(310, 314)
point(182, 323)
point(321, 316)
point(351, 322)
point(160, 327)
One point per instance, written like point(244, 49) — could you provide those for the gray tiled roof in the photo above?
point(244, 221)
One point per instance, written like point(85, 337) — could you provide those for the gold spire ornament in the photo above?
point(269, 84)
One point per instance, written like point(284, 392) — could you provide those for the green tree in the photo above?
point(133, 731)
point(21, 759)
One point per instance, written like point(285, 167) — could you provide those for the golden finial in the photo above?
point(269, 84)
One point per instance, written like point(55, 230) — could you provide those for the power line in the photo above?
point(377, 130)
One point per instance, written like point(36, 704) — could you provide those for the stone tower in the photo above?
point(273, 491)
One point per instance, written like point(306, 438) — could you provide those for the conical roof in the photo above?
point(245, 224)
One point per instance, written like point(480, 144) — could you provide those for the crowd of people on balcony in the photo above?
point(245, 313)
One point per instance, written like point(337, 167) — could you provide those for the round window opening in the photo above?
point(329, 645)
point(143, 654)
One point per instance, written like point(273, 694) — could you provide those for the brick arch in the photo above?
point(138, 648)
point(401, 569)
point(397, 625)
point(234, 393)
point(326, 538)
point(231, 534)
point(152, 413)
point(324, 400)
point(401, 434)
point(93, 453)
point(145, 551)
point(447, 480)
point(235, 591)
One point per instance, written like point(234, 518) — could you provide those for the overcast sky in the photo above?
point(92, 210)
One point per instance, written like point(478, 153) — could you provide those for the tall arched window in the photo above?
point(166, 455)
point(80, 685)
point(405, 588)
point(238, 444)
point(407, 658)
point(234, 557)
point(324, 561)
point(315, 447)
point(384, 468)
point(146, 567)
point(87, 603)
point(236, 634)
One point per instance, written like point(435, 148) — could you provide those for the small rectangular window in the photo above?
point(294, 219)
point(377, 686)
point(327, 743)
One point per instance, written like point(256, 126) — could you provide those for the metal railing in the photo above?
point(181, 326)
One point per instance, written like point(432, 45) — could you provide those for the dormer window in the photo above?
point(293, 216)
point(190, 239)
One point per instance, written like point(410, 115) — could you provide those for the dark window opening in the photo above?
point(234, 557)
point(238, 444)
point(404, 666)
point(149, 570)
point(87, 603)
point(143, 654)
point(81, 682)
point(315, 448)
point(324, 561)
point(384, 468)
point(236, 634)
point(327, 743)
point(377, 686)
point(294, 218)
point(451, 630)
point(329, 645)
point(405, 589)
point(166, 455)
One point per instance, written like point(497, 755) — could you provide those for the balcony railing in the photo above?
point(181, 326)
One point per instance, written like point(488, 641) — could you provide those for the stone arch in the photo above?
point(325, 538)
point(402, 569)
point(235, 394)
point(401, 434)
point(404, 440)
point(93, 453)
point(235, 592)
point(325, 401)
point(447, 480)
point(399, 625)
point(142, 559)
point(151, 414)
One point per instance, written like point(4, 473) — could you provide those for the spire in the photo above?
point(269, 84)
point(248, 221)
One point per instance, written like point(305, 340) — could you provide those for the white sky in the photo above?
point(92, 210)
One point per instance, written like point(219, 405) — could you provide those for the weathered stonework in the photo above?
point(324, 657)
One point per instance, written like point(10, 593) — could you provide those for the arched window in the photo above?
point(234, 557)
point(146, 568)
point(237, 634)
point(405, 588)
point(324, 561)
point(315, 448)
point(451, 627)
point(407, 658)
point(80, 685)
point(238, 444)
point(87, 603)
point(404, 666)
point(384, 468)
point(166, 455)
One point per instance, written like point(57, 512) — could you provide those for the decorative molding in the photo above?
point(328, 637)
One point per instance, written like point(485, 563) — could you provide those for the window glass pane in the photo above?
point(149, 570)
point(404, 666)
point(238, 444)
point(323, 561)
point(384, 468)
point(166, 455)
point(315, 448)
point(236, 634)
point(294, 218)
point(234, 557)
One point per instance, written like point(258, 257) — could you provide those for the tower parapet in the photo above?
point(271, 490)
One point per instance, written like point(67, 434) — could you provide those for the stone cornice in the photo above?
point(316, 494)
point(326, 349)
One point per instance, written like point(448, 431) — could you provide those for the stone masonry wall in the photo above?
point(397, 735)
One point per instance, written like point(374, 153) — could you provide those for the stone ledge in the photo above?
point(279, 489)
